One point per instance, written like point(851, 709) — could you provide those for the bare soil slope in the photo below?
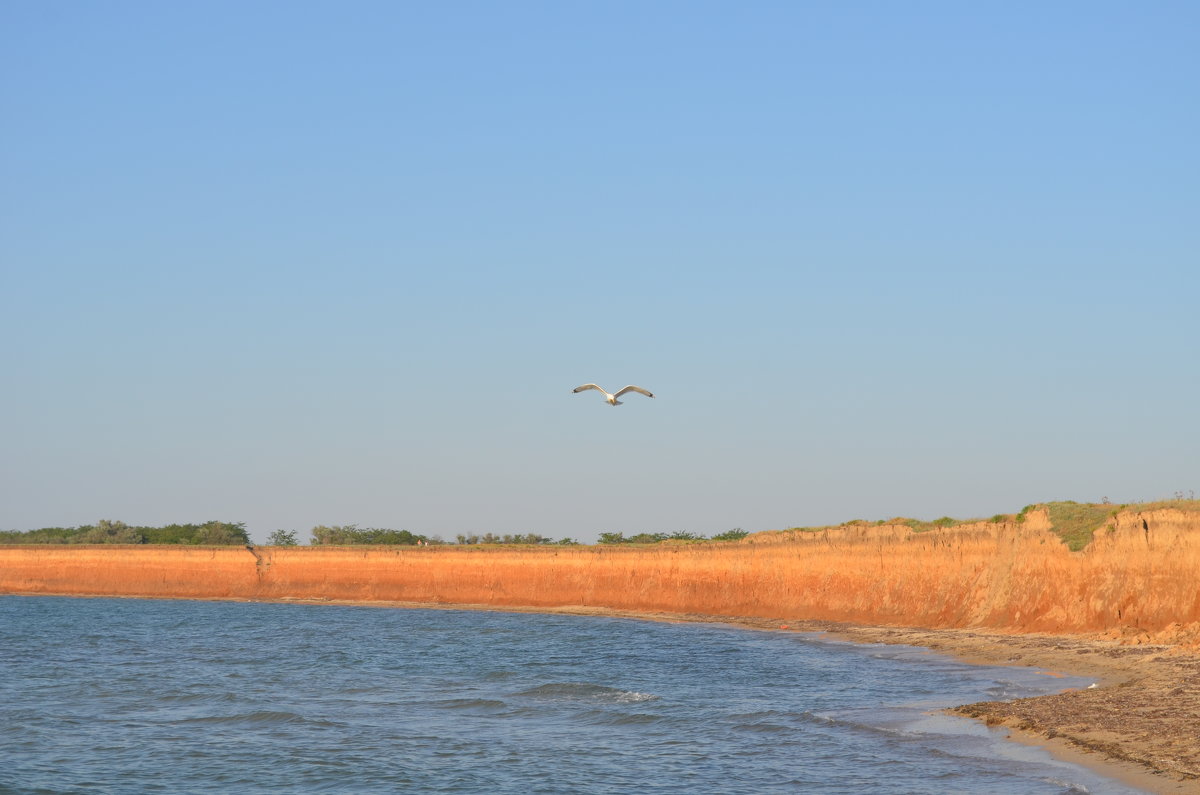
point(1138, 576)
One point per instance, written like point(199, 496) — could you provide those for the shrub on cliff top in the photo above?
point(646, 538)
point(282, 538)
point(210, 533)
point(221, 534)
point(510, 538)
point(44, 535)
point(340, 535)
point(736, 534)
point(1178, 504)
point(919, 526)
point(110, 531)
point(679, 536)
point(1075, 523)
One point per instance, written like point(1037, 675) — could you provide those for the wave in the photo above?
point(471, 704)
point(606, 715)
point(498, 676)
point(1005, 690)
point(582, 691)
point(199, 698)
point(259, 717)
point(772, 721)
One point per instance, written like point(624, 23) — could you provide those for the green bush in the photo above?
point(1075, 523)
point(342, 535)
point(282, 538)
point(509, 538)
point(735, 534)
point(109, 531)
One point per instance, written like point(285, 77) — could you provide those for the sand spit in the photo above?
point(1126, 609)
point(1140, 724)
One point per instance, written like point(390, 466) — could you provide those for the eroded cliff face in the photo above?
point(1140, 577)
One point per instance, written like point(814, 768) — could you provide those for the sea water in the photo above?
point(140, 696)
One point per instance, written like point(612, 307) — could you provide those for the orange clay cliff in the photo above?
point(1139, 577)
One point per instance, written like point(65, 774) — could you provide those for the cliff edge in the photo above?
point(1139, 578)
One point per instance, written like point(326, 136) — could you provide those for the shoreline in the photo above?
point(1136, 726)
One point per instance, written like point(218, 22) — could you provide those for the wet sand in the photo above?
point(1140, 724)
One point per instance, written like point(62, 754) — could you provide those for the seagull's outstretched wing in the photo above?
point(588, 386)
point(632, 388)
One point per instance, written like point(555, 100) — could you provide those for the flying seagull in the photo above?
point(612, 399)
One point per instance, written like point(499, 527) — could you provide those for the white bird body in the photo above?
point(612, 397)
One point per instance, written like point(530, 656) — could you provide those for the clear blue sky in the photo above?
point(299, 263)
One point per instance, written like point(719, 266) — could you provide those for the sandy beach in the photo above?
point(1140, 724)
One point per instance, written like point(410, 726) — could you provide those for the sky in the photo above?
point(301, 263)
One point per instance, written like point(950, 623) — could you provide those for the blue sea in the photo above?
point(143, 696)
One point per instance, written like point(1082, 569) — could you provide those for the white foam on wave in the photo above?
point(583, 691)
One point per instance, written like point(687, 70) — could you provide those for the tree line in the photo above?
point(510, 538)
point(351, 534)
point(108, 531)
point(340, 535)
point(681, 535)
point(218, 533)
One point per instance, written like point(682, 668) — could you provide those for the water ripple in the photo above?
point(118, 696)
point(582, 691)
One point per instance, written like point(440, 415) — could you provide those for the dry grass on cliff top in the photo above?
point(1074, 522)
